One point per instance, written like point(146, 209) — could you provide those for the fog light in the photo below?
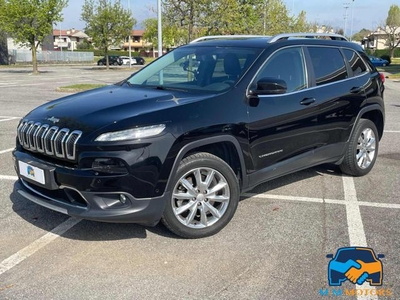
point(109, 165)
point(122, 198)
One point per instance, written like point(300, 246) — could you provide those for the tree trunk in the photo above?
point(106, 55)
point(34, 59)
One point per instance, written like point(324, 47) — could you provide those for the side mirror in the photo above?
point(329, 256)
point(271, 86)
point(381, 255)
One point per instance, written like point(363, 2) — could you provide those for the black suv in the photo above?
point(179, 140)
point(112, 60)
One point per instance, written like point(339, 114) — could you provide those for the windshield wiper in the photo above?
point(164, 88)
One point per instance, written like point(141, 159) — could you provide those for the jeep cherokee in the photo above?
point(179, 140)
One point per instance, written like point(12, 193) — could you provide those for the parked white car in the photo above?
point(125, 60)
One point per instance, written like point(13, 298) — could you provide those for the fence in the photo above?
point(25, 56)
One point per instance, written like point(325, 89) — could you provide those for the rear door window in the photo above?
point(328, 65)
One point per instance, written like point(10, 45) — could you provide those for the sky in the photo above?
point(367, 14)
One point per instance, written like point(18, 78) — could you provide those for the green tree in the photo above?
point(392, 28)
point(29, 21)
point(230, 16)
point(359, 36)
point(171, 34)
point(276, 18)
point(184, 14)
point(219, 17)
point(300, 24)
point(106, 23)
point(85, 45)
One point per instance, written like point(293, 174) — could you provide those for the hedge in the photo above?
point(379, 53)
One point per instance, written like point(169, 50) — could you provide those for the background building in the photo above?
point(68, 39)
point(138, 44)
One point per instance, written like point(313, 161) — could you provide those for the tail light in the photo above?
point(382, 77)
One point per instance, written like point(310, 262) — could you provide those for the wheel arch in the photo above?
point(225, 147)
point(375, 113)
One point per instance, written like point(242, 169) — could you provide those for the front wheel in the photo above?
point(204, 198)
point(362, 150)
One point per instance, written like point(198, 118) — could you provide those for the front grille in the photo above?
point(51, 141)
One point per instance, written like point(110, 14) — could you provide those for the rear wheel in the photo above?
point(204, 198)
point(362, 150)
point(100, 63)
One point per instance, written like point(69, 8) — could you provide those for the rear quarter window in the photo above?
point(355, 61)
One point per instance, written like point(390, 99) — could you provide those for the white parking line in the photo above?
point(6, 117)
point(7, 150)
point(354, 221)
point(9, 119)
point(21, 255)
point(7, 177)
point(355, 226)
point(392, 131)
point(319, 200)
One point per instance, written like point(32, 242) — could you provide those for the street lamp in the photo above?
point(129, 38)
point(352, 16)
point(159, 28)
point(346, 7)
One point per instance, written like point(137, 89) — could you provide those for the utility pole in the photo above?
point(159, 28)
point(352, 17)
point(129, 38)
point(346, 7)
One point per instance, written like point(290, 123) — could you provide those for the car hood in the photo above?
point(92, 110)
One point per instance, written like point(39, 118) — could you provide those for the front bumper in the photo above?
point(87, 199)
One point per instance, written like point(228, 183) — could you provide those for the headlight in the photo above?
point(130, 134)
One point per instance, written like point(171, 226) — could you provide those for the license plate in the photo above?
point(31, 172)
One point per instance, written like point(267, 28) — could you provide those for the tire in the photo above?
point(115, 63)
point(362, 150)
point(203, 216)
point(100, 63)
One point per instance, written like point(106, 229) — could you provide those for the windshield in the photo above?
point(197, 68)
point(364, 254)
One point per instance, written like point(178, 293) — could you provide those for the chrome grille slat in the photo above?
point(31, 135)
point(70, 144)
point(59, 142)
point(26, 129)
point(40, 134)
point(51, 141)
point(20, 132)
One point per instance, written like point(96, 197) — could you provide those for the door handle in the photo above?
point(355, 90)
point(307, 101)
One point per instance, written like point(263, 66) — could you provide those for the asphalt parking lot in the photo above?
point(274, 248)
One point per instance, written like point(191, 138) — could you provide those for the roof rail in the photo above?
point(282, 36)
point(225, 37)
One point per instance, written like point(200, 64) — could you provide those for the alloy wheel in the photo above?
point(200, 198)
point(366, 148)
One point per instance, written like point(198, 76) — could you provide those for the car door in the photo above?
point(338, 94)
point(281, 126)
